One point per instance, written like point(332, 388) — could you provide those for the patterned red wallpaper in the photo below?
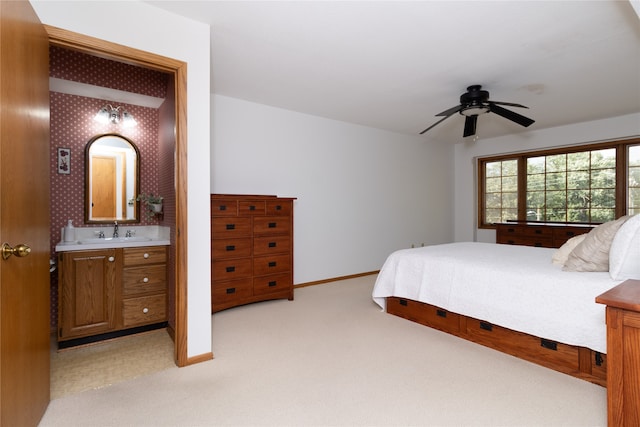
point(79, 67)
point(72, 126)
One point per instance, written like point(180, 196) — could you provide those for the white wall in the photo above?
point(141, 26)
point(467, 153)
point(362, 192)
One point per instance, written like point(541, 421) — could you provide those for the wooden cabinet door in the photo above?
point(87, 292)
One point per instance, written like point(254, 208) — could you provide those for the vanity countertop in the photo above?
point(86, 238)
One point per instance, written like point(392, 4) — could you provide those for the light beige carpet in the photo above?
point(332, 358)
point(102, 364)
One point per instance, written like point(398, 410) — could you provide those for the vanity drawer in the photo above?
point(271, 245)
point(271, 225)
point(269, 284)
point(141, 280)
point(230, 290)
point(231, 248)
point(144, 310)
point(231, 228)
point(265, 265)
point(231, 269)
point(144, 255)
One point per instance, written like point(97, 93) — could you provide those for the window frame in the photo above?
point(521, 157)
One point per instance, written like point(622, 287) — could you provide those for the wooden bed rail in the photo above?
point(623, 348)
point(579, 362)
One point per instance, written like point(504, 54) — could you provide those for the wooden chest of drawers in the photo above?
point(546, 235)
point(251, 249)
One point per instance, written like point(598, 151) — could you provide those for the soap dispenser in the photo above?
point(69, 232)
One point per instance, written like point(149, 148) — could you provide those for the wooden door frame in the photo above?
point(108, 50)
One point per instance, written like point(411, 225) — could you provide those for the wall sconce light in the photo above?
point(115, 115)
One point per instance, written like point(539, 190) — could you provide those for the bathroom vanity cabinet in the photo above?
point(108, 290)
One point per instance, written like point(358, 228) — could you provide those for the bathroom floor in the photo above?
point(109, 362)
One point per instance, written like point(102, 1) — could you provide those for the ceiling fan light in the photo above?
point(474, 110)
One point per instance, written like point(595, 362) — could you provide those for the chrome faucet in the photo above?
point(115, 229)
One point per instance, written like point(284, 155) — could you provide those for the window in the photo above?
point(633, 189)
point(591, 184)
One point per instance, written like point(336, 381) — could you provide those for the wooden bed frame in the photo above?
point(621, 377)
point(580, 362)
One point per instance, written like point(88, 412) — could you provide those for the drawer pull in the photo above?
point(273, 283)
point(273, 224)
point(145, 256)
point(145, 280)
point(252, 208)
point(278, 207)
point(145, 310)
point(486, 326)
point(441, 313)
point(230, 269)
point(231, 248)
point(111, 259)
point(511, 230)
point(231, 290)
point(272, 263)
point(222, 207)
point(231, 226)
point(551, 345)
point(599, 359)
point(403, 302)
point(272, 244)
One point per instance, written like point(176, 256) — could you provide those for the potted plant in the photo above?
point(153, 202)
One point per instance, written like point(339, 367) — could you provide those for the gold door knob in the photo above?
point(20, 251)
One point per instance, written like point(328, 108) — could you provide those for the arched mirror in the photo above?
point(112, 180)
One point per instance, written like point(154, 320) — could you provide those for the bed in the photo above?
point(508, 297)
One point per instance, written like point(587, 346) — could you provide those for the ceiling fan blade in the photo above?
point(509, 104)
point(470, 123)
point(450, 111)
point(436, 123)
point(514, 117)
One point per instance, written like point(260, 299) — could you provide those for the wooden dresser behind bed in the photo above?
point(541, 234)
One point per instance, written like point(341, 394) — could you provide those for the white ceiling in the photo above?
point(395, 64)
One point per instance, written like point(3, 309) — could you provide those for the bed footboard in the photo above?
point(579, 362)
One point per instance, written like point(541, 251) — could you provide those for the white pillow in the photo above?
point(593, 253)
point(562, 254)
point(624, 256)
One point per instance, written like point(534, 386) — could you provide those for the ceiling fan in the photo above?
point(476, 101)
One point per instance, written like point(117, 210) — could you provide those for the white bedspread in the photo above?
point(516, 287)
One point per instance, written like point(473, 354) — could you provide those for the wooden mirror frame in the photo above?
point(87, 184)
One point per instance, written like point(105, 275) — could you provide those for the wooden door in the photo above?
point(24, 215)
point(103, 187)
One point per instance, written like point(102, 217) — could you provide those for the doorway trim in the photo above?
point(108, 50)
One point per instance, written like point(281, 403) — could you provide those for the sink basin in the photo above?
point(112, 240)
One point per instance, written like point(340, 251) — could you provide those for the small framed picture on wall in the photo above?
point(64, 161)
